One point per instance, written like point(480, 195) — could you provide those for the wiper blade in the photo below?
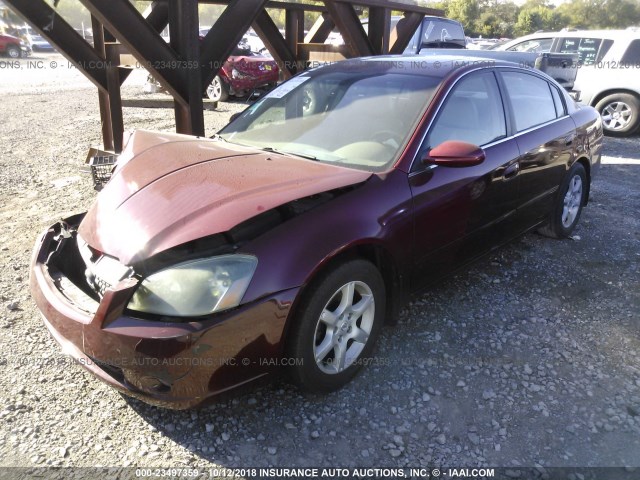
point(283, 152)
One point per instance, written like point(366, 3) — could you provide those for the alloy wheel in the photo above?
point(344, 327)
point(572, 201)
point(616, 115)
point(214, 91)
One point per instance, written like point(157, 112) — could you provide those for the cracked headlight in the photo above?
point(195, 288)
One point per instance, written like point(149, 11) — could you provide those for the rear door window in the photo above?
point(539, 45)
point(530, 98)
point(586, 48)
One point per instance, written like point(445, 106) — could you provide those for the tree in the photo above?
point(464, 11)
point(489, 25)
point(588, 14)
point(497, 18)
point(538, 17)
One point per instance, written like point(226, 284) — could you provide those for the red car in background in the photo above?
point(13, 46)
point(243, 72)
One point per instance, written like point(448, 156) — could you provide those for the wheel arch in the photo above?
point(584, 161)
point(613, 91)
point(372, 251)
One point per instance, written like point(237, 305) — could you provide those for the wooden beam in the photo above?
point(276, 4)
point(115, 96)
point(403, 6)
point(321, 29)
point(122, 19)
point(157, 15)
point(294, 29)
point(350, 27)
point(185, 40)
point(404, 30)
point(225, 34)
point(277, 45)
point(379, 29)
point(103, 96)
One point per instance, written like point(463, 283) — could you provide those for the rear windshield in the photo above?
point(441, 31)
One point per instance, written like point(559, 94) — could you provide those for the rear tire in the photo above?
point(568, 206)
point(218, 91)
point(336, 327)
point(620, 114)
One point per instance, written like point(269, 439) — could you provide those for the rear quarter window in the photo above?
point(586, 48)
point(557, 100)
point(632, 54)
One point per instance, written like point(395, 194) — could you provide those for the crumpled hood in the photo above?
point(169, 189)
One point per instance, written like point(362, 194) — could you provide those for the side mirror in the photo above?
point(453, 153)
point(234, 116)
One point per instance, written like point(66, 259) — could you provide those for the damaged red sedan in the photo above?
point(293, 235)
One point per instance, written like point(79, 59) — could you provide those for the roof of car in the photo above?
point(435, 65)
point(615, 34)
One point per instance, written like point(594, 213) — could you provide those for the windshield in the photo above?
point(361, 120)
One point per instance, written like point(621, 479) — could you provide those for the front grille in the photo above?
point(100, 286)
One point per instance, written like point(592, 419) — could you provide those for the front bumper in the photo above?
point(169, 364)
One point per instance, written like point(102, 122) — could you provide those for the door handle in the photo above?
point(511, 171)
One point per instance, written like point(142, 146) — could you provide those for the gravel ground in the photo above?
point(530, 357)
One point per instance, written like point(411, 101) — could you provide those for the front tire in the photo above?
point(620, 114)
point(336, 327)
point(218, 91)
point(14, 52)
point(568, 207)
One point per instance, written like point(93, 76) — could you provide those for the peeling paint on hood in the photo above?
point(170, 189)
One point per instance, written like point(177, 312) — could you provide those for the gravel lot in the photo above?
point(530, 357)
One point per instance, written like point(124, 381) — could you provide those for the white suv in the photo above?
point(609, 74)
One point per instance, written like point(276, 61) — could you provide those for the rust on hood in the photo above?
point(161, 197)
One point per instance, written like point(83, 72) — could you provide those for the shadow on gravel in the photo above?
point(627, 148)
point(161, 103)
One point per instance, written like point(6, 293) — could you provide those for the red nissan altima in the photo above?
point(294, 234)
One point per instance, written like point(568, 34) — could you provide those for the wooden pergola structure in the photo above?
point(186, 65)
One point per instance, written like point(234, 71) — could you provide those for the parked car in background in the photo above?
point(13, 47)
point(244, 72)
point(483, 43)
point(255, 44)
point(536, 42)
point(433, 32)
point(298, 231)
point(609, 75)
point(39, 44)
